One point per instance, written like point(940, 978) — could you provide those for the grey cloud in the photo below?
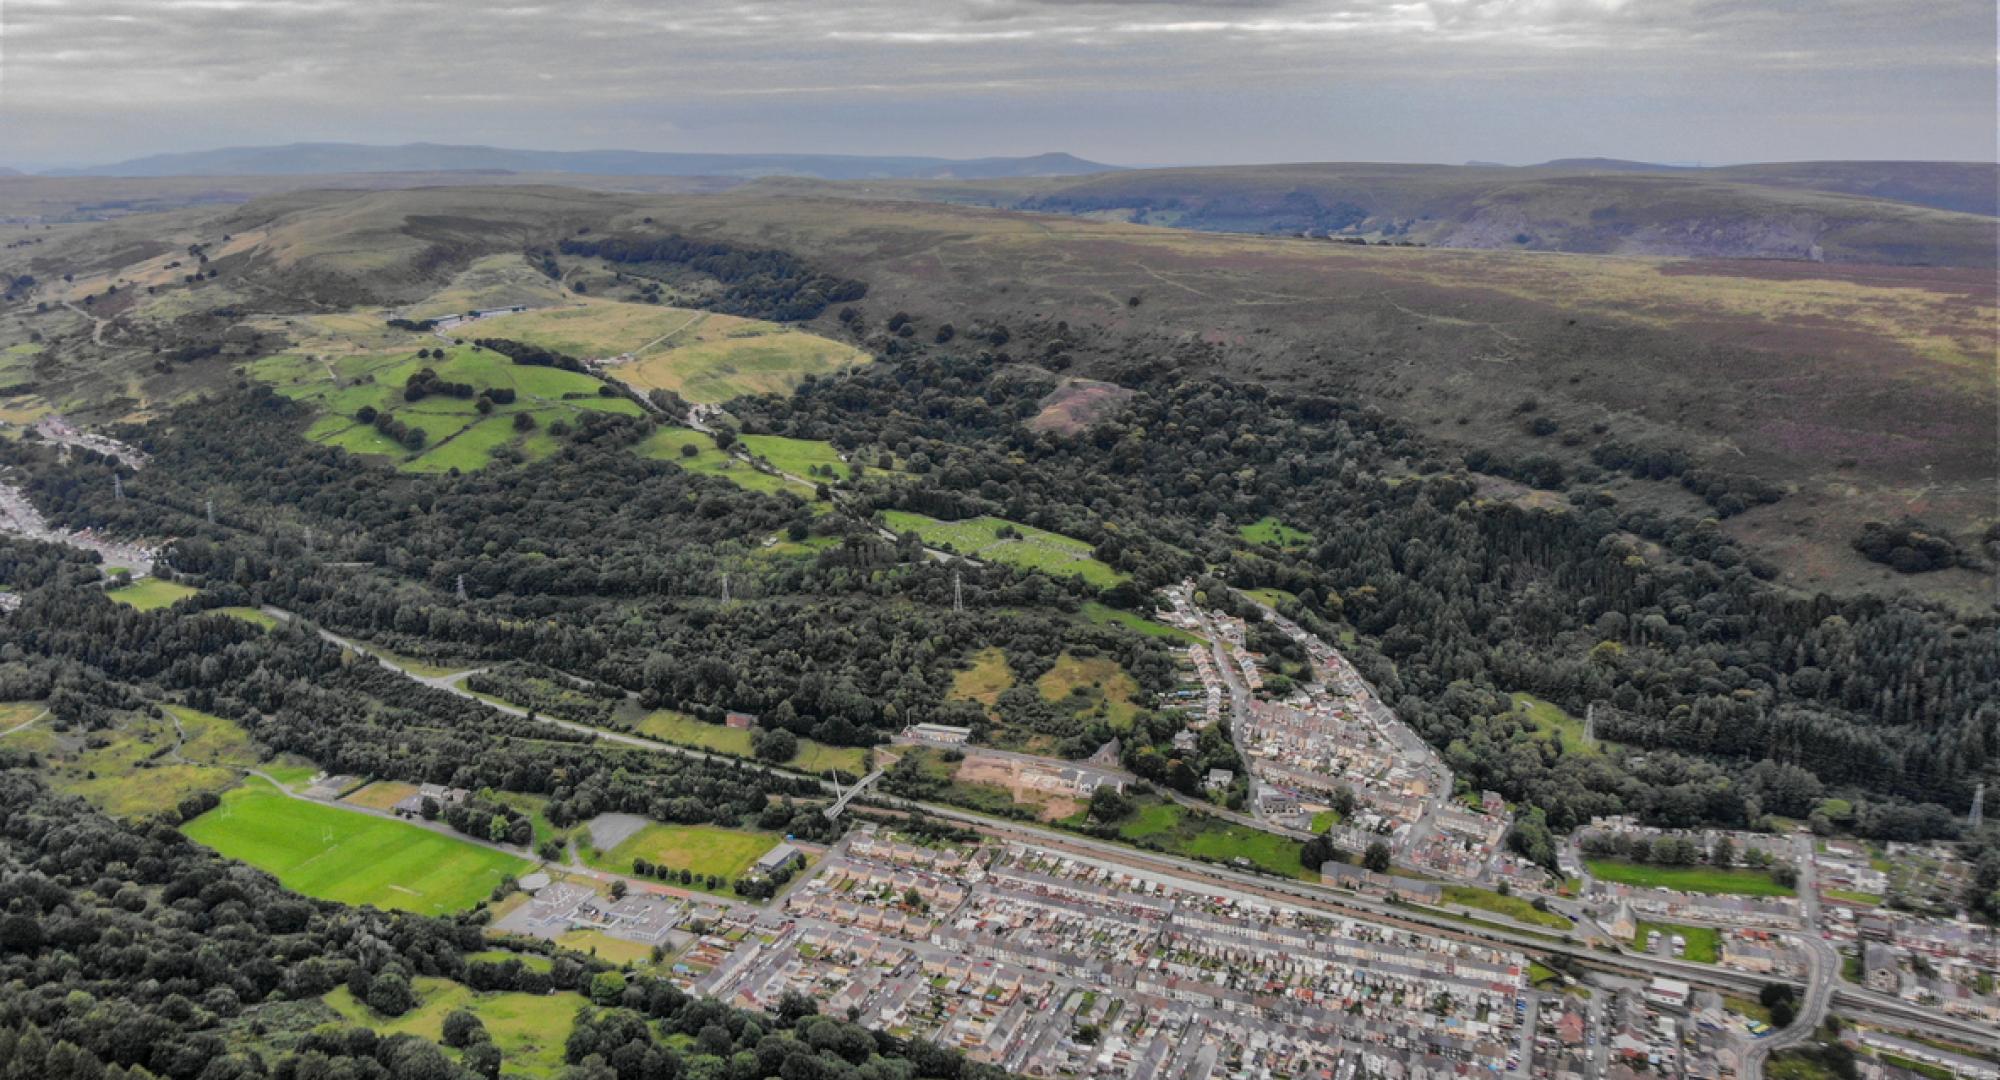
point(1150, 80)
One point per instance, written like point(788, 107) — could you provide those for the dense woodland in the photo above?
point(596, 563)
point(1460, 598)
point(1728, 698)
point(298, 693)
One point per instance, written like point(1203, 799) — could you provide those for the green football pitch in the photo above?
point(351, 857)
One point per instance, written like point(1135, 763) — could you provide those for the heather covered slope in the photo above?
point(1864, 392)
point(1833, 212)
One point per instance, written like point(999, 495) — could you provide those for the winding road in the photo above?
point(1822, 973)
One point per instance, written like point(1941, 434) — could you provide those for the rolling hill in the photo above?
point(326, 158)
point(1965, 186)
point(1905, 214)
point(1863, 392)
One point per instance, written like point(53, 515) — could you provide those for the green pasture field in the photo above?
point(701, 849)
point(1105, 615)
point(1274, 533)
point(769, 363)
point(146, 594)
point(292, 774)
point(702, 356)
point(681, 729)
point(800, 457)
point(457, 435)
point(593, 329)
point(351, 857)
point(472, 448)
point(666, 444)
point(1034, 549)
point(1694, 879)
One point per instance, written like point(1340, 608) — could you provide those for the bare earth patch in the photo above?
point(1078, 404)
point(1004, 773)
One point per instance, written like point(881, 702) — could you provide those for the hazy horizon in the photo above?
point(34, 168)
point(1117, 81)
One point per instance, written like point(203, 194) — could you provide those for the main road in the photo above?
point(1822, 974)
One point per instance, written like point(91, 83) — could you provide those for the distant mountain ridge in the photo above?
point(324, 158)
point(1885, 213)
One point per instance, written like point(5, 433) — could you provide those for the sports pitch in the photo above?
point(350, 857)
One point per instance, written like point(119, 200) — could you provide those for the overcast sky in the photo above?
point(1125, 81)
